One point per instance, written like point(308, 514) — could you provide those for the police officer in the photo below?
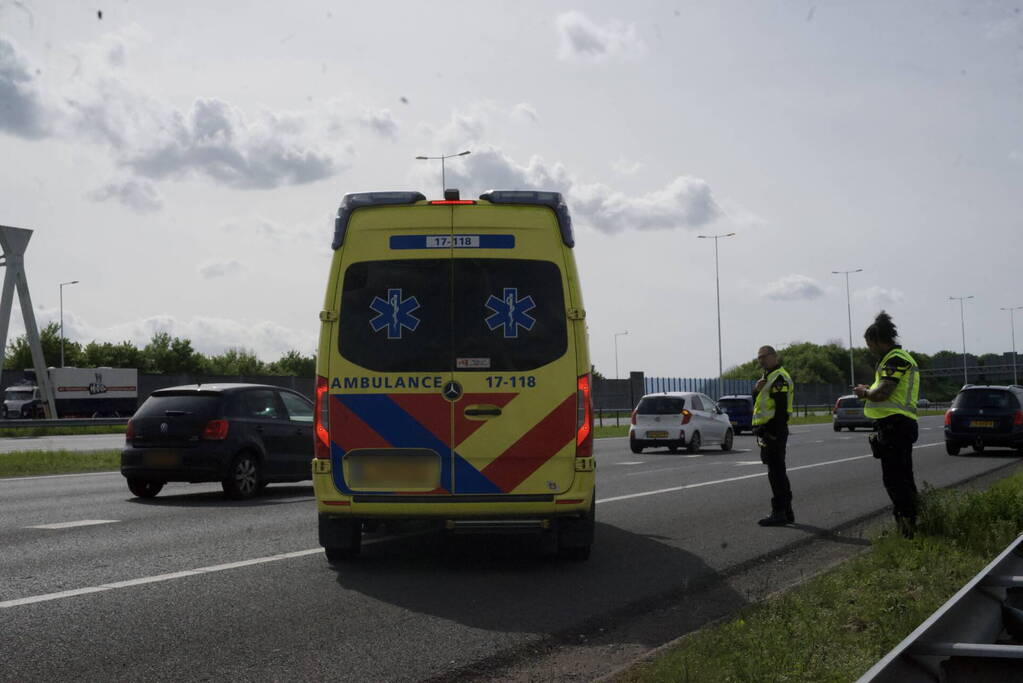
point(771, 411)
point(891, 403)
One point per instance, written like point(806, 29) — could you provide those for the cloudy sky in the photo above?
point(184, 160)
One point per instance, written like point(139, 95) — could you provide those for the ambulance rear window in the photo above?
point(438, 315)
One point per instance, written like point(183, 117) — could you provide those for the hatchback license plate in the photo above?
point(657, 435)
point(982, 423)
point(162, 459)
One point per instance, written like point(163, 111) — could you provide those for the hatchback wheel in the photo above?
point(243, 479)
point(837, 428)
point(694, 443)
point(144, 489)
point(635, 447)
point(951, 448)
point(726, 445)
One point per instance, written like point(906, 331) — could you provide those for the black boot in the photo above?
point(790, 516)
point(906, 526)
point(776, 518)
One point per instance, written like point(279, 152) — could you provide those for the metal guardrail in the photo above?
point(64, 422)
point(976, 636)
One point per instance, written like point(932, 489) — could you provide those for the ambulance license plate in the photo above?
point(982, 423)
point(162, 459)
point(657, 435)
point(394, 472)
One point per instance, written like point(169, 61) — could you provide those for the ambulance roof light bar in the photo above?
point(553, 200)
point(357, 200)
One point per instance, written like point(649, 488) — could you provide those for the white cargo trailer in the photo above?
point(78, 392)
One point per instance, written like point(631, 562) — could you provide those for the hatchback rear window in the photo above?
point(437, 315)
point(734, 404)
point(986, 399)
point(200, 405)
point(850, 403)
point(661, 405)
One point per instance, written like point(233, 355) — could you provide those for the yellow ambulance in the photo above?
point(453, 370)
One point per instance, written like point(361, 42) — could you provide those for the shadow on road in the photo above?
point(510, 584)
point(280, 494)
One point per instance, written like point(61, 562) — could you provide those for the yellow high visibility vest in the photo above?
point(907, 391)
point(764, 407)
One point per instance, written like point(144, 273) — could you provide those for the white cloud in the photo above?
point(222, 268)
point(140, 196)
point(685, 202)
point(581, 39)
point(264, 228)
point(380, 122)
point(22, 109)
point(793, 287)
point(625, 167)
point(879, 297)
point(523, 111)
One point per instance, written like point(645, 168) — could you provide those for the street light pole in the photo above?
point(616, 335)
point(717, 289)
point(962, 323)
point(443, 179)
point(848, 310)
point(1012, 326)
point(72, 282)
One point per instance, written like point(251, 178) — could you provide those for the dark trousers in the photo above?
point(772, 454)
point(896, 436)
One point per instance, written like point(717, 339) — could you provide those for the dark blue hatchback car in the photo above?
point(739, 408)
point(242, 435)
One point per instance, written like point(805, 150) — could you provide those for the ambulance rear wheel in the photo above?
point(575, 535)
point(341, 538)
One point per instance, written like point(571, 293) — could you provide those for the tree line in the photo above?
point(829, 364)
point(163, 355)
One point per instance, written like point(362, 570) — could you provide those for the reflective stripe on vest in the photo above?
point(904, 397)
point(763, 406)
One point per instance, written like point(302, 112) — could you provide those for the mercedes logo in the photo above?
point(163, 427)
point(452, 391)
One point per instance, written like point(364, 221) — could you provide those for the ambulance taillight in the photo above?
point(584, 419)
point(321, 438)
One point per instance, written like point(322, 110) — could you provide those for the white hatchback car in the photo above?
point(679, 419)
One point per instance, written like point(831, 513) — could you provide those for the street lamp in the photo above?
point(616, 335)
point(72, 282)
point(443, 181)
point(848, 309)
point(717, 288)
point(962, 322)
point(1012, 326)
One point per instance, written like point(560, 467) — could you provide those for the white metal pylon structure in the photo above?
point(15, 242)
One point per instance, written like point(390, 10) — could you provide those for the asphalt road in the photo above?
point(189, 586)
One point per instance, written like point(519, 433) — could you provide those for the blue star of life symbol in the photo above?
point(510, 312)
point(394, 313)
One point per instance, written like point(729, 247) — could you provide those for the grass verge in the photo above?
point(29, 463)
point(13, 432)
point(836, 626)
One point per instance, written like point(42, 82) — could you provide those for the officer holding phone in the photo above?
point(771, 410)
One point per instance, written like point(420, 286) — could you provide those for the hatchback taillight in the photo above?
point(834, 411)
point(948, 418)
point(686, 416)
point(321, 437)
point(633, 417)
point(129, 433)
point(1018, 420)
point(215, 430)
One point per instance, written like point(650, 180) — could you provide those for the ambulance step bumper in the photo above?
point(496, 526)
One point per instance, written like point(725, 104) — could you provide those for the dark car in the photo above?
point(848, 413)
point(739, 408)
point(242, 435)
point(984, 416)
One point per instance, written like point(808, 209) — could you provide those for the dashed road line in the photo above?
point(71, 525)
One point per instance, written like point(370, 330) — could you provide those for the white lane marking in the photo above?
point(743, 463)
point(8, 480)
point(69, 525)
point(675, 489)
point(631, 462)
